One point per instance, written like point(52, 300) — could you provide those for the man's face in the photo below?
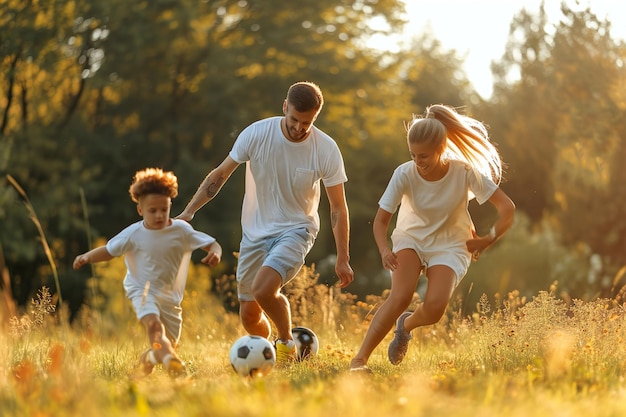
point(298, 124)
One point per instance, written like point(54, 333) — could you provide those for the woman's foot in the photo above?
point(400, 343)
point(359, 366)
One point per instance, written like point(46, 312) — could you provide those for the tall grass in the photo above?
point(42, 235)
point(543, 357)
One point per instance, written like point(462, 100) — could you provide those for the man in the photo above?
point(286, 157)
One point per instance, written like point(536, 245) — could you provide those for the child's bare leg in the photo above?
point(159, 342)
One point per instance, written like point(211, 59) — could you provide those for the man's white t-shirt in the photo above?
point(283, 177)
point(160, 257)
point(435, 213)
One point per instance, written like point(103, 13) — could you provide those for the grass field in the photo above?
point(511, 357)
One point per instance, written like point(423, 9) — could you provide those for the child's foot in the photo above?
point(174, 366)
point(146, 364)
point(400, 342)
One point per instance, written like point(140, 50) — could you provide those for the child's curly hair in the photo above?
point(153, 181)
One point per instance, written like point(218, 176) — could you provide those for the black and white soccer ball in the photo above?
point(252, 356)
point(307, 343)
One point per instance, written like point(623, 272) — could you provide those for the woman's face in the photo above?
point(427, 158)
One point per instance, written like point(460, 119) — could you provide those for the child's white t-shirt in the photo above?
point(283, 177)
point(435, 213)
point(160, 257)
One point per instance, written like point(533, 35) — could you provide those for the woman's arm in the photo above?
point(381, 227)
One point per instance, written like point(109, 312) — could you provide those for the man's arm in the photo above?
point(210, 186)
point(340, 223)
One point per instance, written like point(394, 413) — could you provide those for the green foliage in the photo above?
point(525, 261)
point(120, 86)
point(560, 126)
point(91, 91)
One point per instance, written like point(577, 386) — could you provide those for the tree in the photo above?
point(562, 131)
point(106, 88)
point(589, 76)
point(521, 114)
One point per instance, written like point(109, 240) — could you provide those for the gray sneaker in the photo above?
point(400, 342)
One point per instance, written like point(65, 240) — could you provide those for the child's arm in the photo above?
point(98, 254)
point(214, 254)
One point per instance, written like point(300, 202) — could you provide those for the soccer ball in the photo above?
point(307, 343)
point(252, 356)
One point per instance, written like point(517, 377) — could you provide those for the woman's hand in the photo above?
point(478, 244)
point(390, 259)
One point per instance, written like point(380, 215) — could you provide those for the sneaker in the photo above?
point(146, 364)
point(174, 366)
point(285, 352)
point(400, 342)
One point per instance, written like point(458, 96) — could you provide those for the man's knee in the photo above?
point(261, 293)
point(249, 312)
point(266, 285)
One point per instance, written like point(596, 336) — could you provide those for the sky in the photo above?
point(447, 20)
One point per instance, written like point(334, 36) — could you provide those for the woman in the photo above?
point(452, 162)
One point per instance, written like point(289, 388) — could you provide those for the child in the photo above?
point(157, 251)
point(452, 161)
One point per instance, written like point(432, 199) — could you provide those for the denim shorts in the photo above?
point(284, 253)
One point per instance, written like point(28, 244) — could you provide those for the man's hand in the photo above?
point(345, 273)
point(185, 216)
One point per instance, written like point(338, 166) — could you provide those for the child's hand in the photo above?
point(80, 261)
point(212, 258)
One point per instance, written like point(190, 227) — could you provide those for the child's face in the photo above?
point(155, 210)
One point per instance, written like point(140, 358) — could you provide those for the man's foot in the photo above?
point(146, 363)
point(400, 342)
point(174, 366)
point(285, 352)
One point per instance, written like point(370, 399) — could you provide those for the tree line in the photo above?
point(91, 91)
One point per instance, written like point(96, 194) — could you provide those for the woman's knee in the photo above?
point(434, 311)
point(400, 302)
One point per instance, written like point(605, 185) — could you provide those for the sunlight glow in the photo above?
point(478, 30)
